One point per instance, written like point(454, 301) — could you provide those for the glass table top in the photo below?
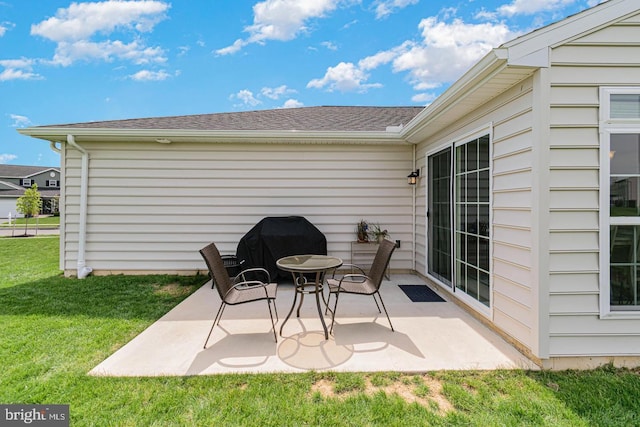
point(308, 262)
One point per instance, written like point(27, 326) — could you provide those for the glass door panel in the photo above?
point(471, 201)
point(439, 216)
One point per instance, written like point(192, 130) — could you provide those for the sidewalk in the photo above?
point(19, 231)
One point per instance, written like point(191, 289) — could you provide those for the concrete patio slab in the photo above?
point(428, 336)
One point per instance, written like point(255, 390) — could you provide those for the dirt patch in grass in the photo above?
point(423, 390)
point(172, 289)
point(324, 387)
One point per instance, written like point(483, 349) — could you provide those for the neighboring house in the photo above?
point(15, 179)
point(525, 210)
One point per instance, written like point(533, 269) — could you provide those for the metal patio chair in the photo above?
point(238, 290)
point(362, 283)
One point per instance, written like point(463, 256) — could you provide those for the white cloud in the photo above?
point(6, 158)
point(148, 75)
point(383, 57)
point(447, 49)
point(423, 98)
point(281, 20)
point(276, 92)
point(387, 7)
point(5, 26)
point(81, 21)
point(235, 47)
point(73, 29)
point(68, 53)
point(530, 7)
point(249, 99)
point(292, 103)
point(19, 121)
point(246, 97)
point(18, 69)
point(344, 77)
point(329, 45)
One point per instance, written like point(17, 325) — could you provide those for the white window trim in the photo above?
point(24, 180)
point(608, 127)
point(605, 105)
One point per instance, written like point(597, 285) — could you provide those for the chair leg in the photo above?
point(385, 311)
point(333, 315)
point(216, 320)
point(273, 325)
point(326, 309)
point(374, 298)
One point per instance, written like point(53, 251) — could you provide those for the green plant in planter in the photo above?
point(362, 230)
point(378, 233)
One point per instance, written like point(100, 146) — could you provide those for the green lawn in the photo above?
point(54, 330)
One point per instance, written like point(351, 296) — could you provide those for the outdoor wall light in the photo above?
point(412, 178)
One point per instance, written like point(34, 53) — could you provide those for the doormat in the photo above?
point(420, 293)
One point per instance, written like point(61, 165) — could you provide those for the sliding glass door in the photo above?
point(458, 218)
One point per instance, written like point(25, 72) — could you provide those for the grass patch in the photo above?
point(56, 329)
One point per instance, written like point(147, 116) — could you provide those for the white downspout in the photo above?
point(54, 147)
point(83, 270)
point(413, 211)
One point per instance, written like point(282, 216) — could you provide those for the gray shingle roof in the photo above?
point(18, 193)
point(348, 119)
point(19, 171)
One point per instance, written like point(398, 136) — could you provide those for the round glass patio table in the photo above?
point(302, 266)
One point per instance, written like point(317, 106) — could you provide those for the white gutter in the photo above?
point(83, 270)
point(51, 133)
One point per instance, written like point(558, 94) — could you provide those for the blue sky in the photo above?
point(68, 62)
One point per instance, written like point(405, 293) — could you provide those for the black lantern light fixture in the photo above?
point(412, 178)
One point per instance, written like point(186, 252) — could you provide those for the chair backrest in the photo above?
point(217, 269)
point(381, 261)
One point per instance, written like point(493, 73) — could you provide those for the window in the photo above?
point(26, 182)
point(625, 106)
point(52, 183)
point(620, 182)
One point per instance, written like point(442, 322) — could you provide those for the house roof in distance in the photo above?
point(314, 119)
point(20, 171)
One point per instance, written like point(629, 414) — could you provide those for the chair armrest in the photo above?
point(249, 284)
point(350, 277)
point(351, 266)
point(241, 275)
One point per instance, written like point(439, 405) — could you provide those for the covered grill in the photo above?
point(276, 237)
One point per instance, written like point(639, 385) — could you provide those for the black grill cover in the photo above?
point(277, 237)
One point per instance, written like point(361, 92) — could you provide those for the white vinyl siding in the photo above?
point(579, 69)
point(510, 113)
point(152, 206)
point(546, 275)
